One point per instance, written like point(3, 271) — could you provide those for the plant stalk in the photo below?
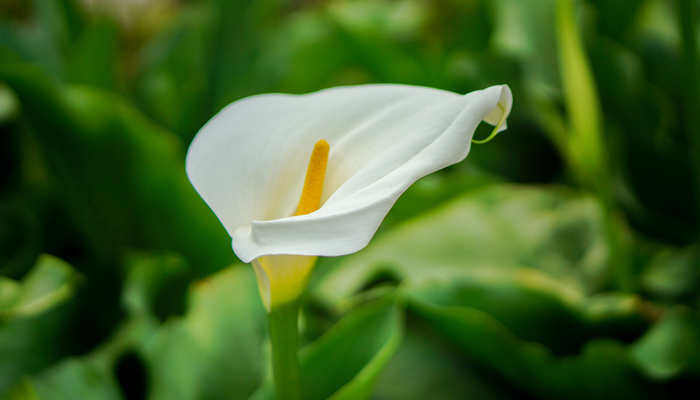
point(284, 340)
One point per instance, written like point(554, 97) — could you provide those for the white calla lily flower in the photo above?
point(251, 163)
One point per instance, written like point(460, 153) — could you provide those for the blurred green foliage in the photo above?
point(561, 260)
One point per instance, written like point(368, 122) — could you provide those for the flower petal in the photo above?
point(248, 162)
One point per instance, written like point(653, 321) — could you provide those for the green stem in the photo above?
point(284, 339)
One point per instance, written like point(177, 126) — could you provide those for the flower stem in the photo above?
point(284, 339)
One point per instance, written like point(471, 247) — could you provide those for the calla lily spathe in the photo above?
point(249, 161)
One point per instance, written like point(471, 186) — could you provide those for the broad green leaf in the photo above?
point(345, 362)
point(48, 284)
point(603, 369)
point(500, 227)
point(539, 309)
point(36, 319)
point(121, 177)
point(427, 367)
point(92, 376)
point(429, 193)
point(530, 258)
point(355, 350)
point(433, 191)
point(69, 380)
point(670, 348)
point(214, 351)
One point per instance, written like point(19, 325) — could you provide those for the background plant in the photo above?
point(560, 260)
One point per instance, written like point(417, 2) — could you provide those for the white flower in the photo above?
point(249, 164)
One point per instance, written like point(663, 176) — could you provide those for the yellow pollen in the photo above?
point(310, 199)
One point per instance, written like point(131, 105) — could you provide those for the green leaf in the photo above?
point(121, 177)
point(670, 348)
point(537, 308)
point(603, 369)
point(72, 379)
point(35, 319)
point(355, 350)
point(428, 367)
point(214, 351)
point(501, 227)
point(92, 376)
point(433, 191)
point(532, 258)
point(49, 283)
point(345, 362)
